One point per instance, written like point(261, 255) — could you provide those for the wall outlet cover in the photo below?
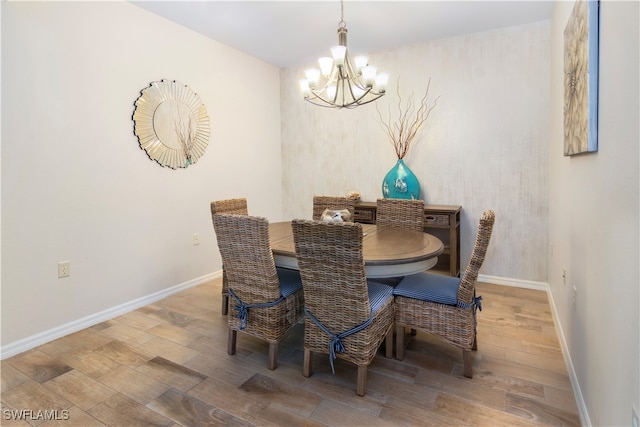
point(64, 269)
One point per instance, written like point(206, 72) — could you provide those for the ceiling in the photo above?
point(295, 33)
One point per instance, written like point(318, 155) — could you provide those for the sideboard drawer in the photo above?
point(436, 219)
point(364, 215)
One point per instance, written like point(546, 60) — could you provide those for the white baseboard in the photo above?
point(577, 392)
point(33, 341)
point(518, 283)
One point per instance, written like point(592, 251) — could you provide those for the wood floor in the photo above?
point(166, 365)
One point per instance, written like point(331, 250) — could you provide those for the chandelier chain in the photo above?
point(342, 24)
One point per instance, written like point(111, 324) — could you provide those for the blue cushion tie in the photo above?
point(476, 303)
point(336, 339)
point(242, 308)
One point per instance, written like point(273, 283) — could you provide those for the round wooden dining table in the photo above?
point(387, 251)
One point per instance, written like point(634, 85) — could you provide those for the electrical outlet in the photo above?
point(196, 239)
point(64, 269)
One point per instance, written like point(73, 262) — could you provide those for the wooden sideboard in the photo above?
point(443, 221)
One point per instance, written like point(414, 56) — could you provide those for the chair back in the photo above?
point(320, 203)
point(332, 271)
point(401, 213)
point(229, 206)
point(248, 261)
point(466, 290)
point(236, 206)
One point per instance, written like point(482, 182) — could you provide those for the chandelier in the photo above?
point(341, 82)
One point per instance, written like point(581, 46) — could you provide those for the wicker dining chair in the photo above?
point(401, 213)
point(346, 316)
point(265, 301)
point(444, 306)
point(320, 203)
point(231, 207)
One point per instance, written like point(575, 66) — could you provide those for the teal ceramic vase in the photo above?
point(400, 183)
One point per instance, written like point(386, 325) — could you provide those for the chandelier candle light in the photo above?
point(341, 82)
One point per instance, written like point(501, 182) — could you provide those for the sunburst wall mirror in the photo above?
point(171, 123)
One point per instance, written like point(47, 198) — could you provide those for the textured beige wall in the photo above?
point(484, 146)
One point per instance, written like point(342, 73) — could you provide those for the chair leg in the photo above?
point(273, 355)
point(225, 304)
point(306, 367)
point(361, 388)
point(399, 342)
point(388, 344)
point(468, 363)
point(231, 341)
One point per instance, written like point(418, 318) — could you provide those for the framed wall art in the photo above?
point(171, 124)
point(581, 78)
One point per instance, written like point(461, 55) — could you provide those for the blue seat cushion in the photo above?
point(429, 287)
point(378, 294)
point(290, 281)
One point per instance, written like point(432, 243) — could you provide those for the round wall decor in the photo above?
point(171, 123)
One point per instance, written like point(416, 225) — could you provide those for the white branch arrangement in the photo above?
point(186, 133)
point(409, 123)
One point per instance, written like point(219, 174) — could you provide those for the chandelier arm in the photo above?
point(354, 80)
point(322, 102)
point(340, 90)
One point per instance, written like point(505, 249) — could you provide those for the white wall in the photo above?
point(484, 146)
point(593, 223)
point(75, 184)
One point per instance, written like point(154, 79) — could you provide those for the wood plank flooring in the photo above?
point(166, 365)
